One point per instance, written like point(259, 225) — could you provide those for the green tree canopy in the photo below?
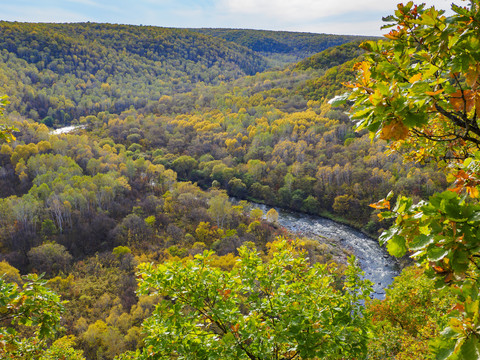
point(421, 86)
point(280, 309)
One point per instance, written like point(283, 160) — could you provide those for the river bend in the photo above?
point(378, 265)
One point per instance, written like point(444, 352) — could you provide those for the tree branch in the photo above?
point(463, 123)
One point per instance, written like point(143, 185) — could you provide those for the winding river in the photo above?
point(378, 265)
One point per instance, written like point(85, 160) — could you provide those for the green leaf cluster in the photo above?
point(33, 306)
point(420, 90)
point(281, 308)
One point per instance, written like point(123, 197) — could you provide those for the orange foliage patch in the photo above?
point(395, 130)
point(463, 100)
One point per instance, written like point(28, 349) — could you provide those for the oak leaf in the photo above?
point(395, 130)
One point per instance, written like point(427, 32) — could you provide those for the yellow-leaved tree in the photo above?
point(6, 132)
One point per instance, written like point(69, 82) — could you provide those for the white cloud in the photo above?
point(312, 9)
point(339, 17)
point(105, 7)
point(294, 10)
point(362, 17)
point(40, 14)
point(367, 28)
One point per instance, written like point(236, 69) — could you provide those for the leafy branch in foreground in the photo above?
point(35, 307)
point(280, 309)
point(420, 91)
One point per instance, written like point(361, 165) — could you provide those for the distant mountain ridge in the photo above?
point(281, 47)
point(68, 70)
point(333, 56)
point(37, 42)
point(56, 73)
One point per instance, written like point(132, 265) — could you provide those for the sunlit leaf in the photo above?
point(435, 253)
point(382, 204)
point(421, 242)
point(434, 93)
point(397, 246)
point(415, 78)
point(470, 348)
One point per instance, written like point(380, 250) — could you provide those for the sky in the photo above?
point(349, 17)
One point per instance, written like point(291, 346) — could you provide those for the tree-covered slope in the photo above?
point(333, 56)
point(64, 71)
point(330, 84)
point(56, 73)
point(281, 46)
point(338, 63)
point(46, 42)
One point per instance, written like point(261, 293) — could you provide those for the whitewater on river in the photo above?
point(66, 129)
point(378, 265)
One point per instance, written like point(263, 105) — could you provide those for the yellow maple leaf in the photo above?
point(381, 204)
point(472, 75)
point(364, 68)
point(477, 104)
point(392, 35)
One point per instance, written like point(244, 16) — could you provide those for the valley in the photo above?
point(145, 158)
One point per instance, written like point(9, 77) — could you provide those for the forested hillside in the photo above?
point(171, 124)
point(64, 71)
point(260, 139)
point(281, 47)
point(56, 73)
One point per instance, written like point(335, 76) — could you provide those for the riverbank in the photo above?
point(325, 214)
point(378, 265)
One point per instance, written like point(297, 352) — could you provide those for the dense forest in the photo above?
point(281, 47)
point(175, 132)
point(62, 72)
